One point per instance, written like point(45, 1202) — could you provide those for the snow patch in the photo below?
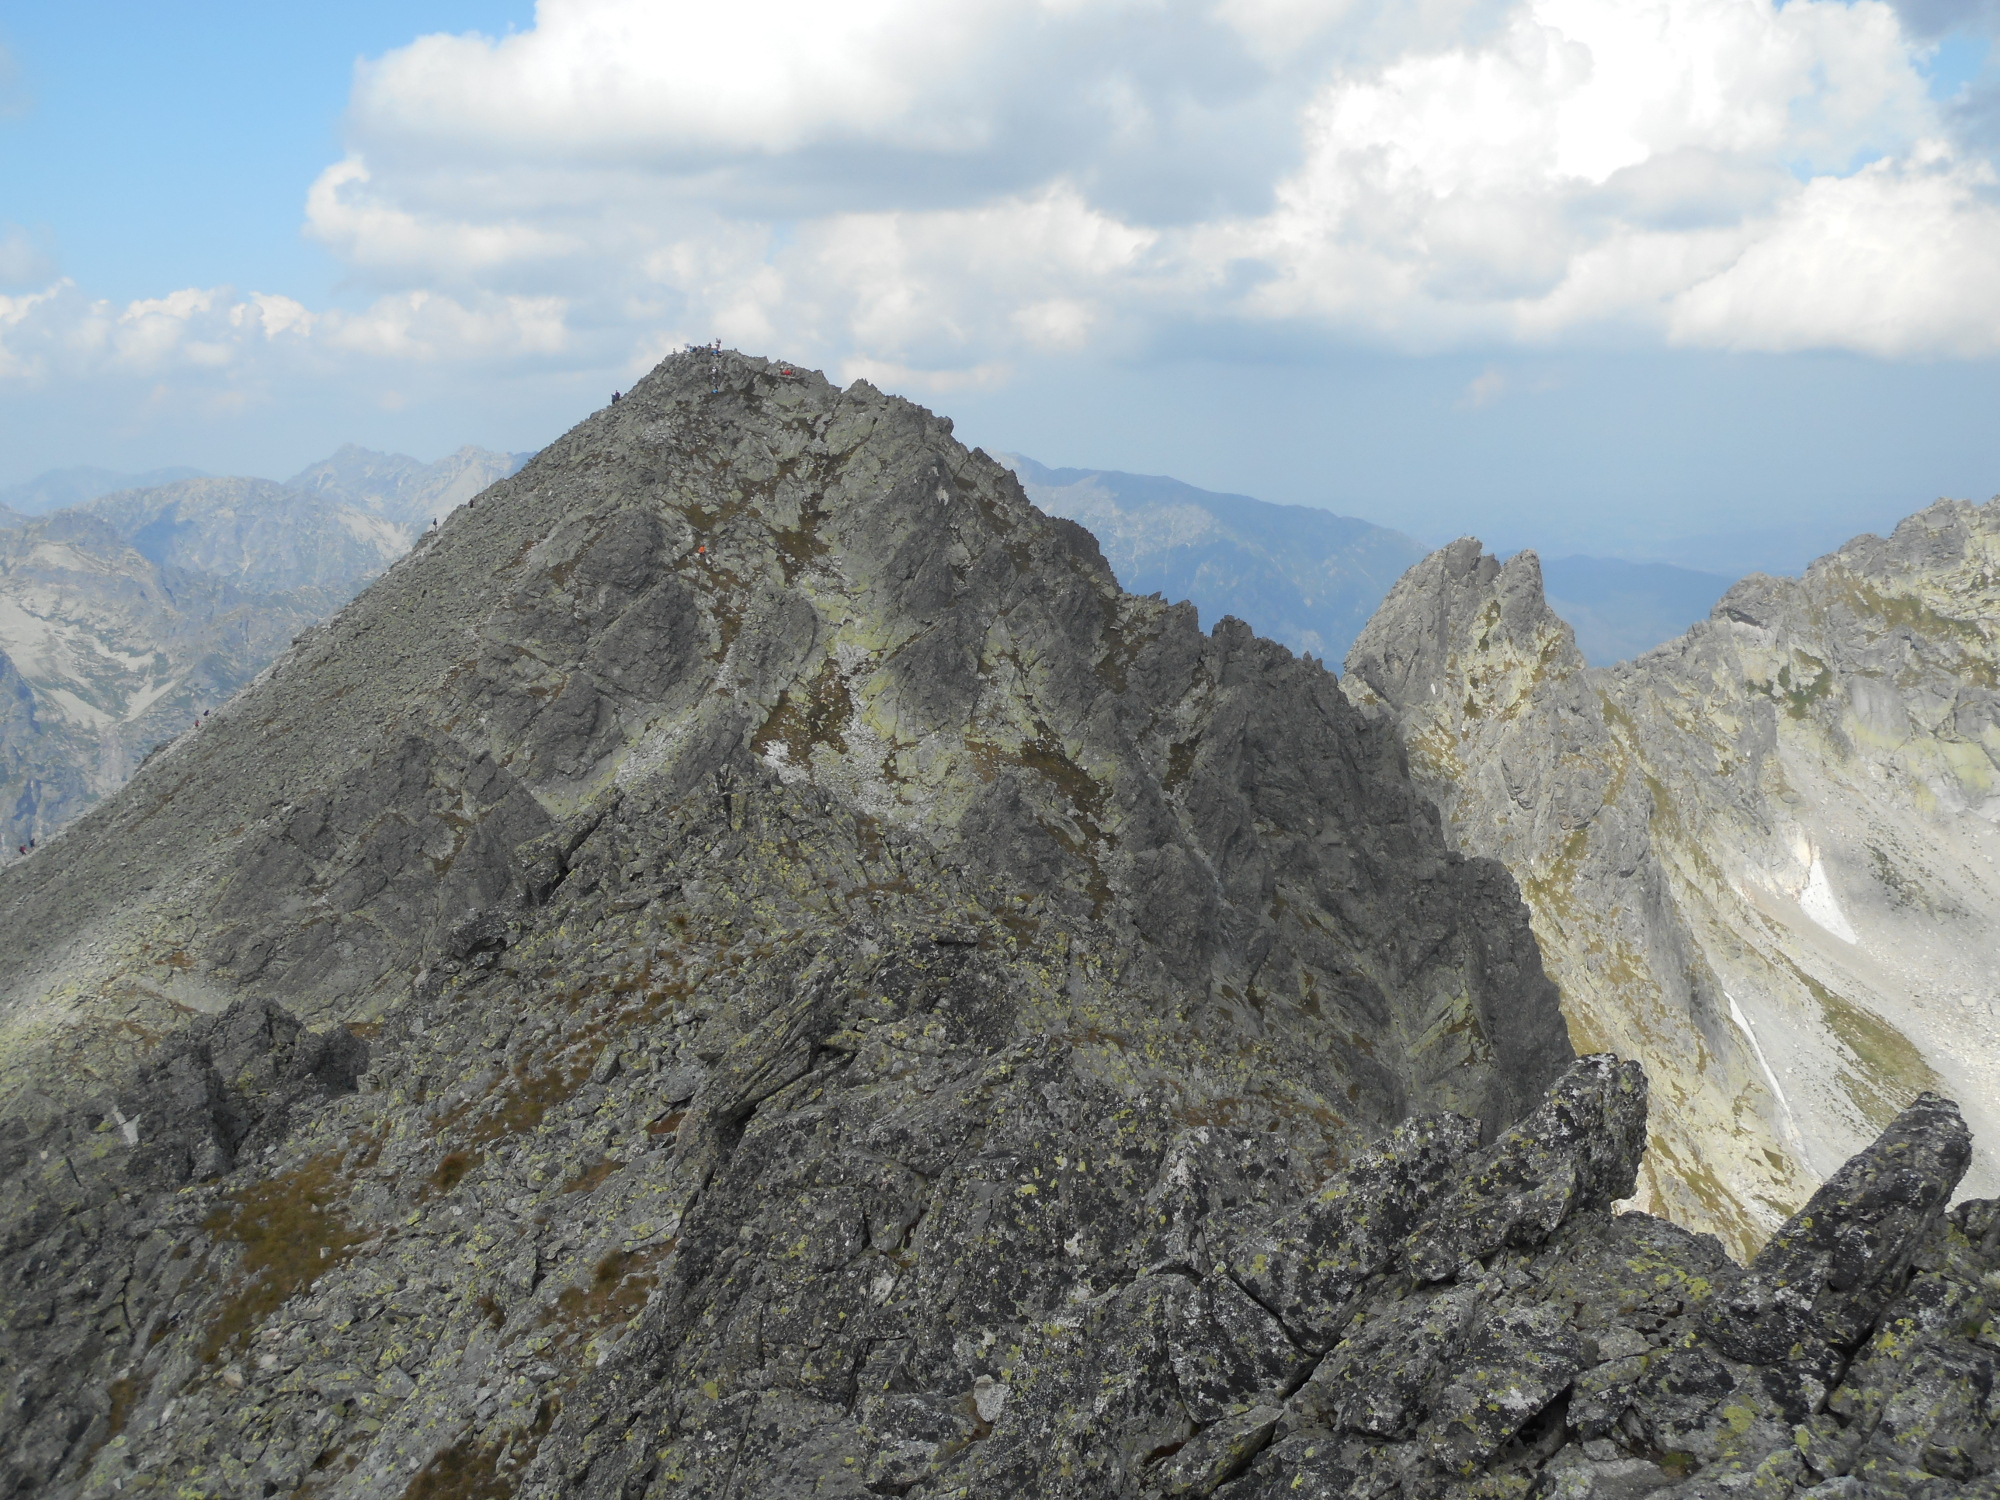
point(147, 696)
point(1770, 1075)
point(32, 643)
point(1743, 1025)
point(1817, 901)
point(74, 708)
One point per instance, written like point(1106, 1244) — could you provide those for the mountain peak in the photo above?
point(746, 964)
point(791, 585)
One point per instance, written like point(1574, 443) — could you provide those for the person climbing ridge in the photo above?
point(614, 398)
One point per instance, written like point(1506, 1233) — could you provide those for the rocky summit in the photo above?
point(746, 965)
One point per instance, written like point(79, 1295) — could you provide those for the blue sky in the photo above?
point(1696, 279)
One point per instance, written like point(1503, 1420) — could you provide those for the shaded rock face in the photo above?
point(1760, 858)
point(1511, 733)
point(813, 937)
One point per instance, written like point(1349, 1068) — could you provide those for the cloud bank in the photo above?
point(929, 194)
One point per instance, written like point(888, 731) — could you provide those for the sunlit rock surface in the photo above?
point(1760, 858)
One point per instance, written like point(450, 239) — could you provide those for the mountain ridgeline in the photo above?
point(745, 964)
point(126, 613)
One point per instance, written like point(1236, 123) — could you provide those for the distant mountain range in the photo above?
point(406, 494)
point(1299, 575)
point(1310, 578)
point(127, 611)
point(59, 489)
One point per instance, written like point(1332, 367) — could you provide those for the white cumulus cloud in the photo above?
point(945, 191)
point(215, 333)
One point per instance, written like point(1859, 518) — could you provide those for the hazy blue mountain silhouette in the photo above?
point(1295, 573)
point(58, 489)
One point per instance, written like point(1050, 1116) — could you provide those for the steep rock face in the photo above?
point(1759, 858)
point(803, 589)
point(763, 855)
point(1510, 733)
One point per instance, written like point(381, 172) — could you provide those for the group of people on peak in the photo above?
point(714, 350)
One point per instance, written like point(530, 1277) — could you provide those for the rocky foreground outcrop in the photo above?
point(1011, 1280)
point(812, 937)
point(1761, 858)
